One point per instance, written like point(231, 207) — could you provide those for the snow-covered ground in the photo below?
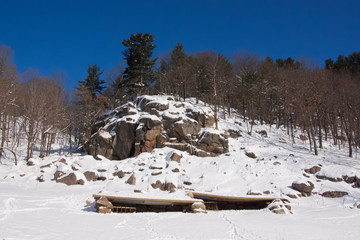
point(30, 209)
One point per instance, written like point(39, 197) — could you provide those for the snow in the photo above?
point(30, 209)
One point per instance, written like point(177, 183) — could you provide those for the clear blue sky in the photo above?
point(67, 35)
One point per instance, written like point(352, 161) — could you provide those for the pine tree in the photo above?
point(180, 70)
point(92, 82)
point(139, 73)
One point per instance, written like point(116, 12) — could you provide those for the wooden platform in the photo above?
point(147, 201)
point(211, 201)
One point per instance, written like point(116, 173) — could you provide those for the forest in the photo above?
point(323, 102)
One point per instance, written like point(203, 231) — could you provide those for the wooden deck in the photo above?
point(147, 201)
point(211, 201)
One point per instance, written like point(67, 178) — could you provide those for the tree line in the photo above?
point(322, 102)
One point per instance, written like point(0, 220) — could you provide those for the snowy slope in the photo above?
point(30, 209)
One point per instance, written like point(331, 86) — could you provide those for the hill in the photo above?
point(323, 190)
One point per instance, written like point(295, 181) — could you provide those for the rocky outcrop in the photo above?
point(154, 122)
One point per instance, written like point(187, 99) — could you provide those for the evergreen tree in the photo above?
point(139, 72)
point(92, 82)
point(180, 70)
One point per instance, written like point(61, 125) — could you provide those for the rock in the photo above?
point(58, 174)
point(358, 206)
point(358, 181)
point(155, 167)
point(164, 186)
point(279, 207)
point(183, 128)
point(90, 176)
point(204, 120)
point(131, 180)
point(177, 146)
point(103, 205)
point(30, 163)
point(63, 160)
point(155, 173)
point(266, 192)
point(156, 105)
point(213, 143)
point(329, 178)
point(161, 139)
point(234, 133)
point(151, 122)
point(262, 133)
point(40, 178)
point(70, 179)
point(190, 194)
point(175, 170)
point(75, 167)
point(187, 183)
point(81, 182)
point(292, 196)
point(334, 194)
point(313, 170)
point(201, 153)
point(176, 157)
point(116, 135)
point(350, 179)
point(250, 155)
point(276, 163)
point(119, 174)
point(253, 193)
point(101, 178)
point(118, 146)
point(198, 207)
point(304, 187)
point(279, 211)
point(137, 191)
point(46, 166)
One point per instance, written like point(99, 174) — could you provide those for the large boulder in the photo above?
point(70, 179)
point(304, 187)
point(213, 143)
point(183, 129)
point(117, 146)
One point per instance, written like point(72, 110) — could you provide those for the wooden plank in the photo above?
point(215, 197)
point(148, 201)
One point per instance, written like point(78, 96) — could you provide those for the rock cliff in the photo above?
point(154, 122)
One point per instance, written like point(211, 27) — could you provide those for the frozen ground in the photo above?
point(30, 209)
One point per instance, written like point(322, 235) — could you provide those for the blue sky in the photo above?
point(67, 35)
